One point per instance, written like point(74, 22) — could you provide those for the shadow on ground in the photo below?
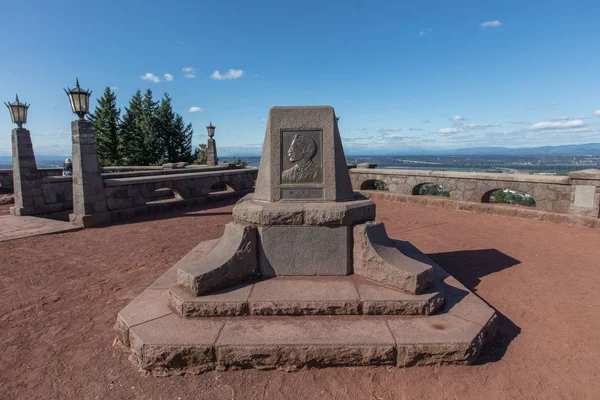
point(468, 267)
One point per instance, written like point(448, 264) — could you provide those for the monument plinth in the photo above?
point(304, 244)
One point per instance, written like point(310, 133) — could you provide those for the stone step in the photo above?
point(165, 342)
point(318, 295)
point(174, 344)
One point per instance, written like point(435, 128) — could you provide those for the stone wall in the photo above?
point(58, 192)
point(6, 178)
point(577, 194)
point(129, 196)
point(6, 175)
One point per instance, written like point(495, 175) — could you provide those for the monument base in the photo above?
point(274, 323)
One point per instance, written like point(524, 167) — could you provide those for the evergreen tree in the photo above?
point(174, 135)
point(152, 146)
point(152, 133)
point(166, 129)
point(200, 154)
point(183, 140)
point(131, 140)
point(106, 120)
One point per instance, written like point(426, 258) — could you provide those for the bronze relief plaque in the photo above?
point(301, 165)
point(301, 157)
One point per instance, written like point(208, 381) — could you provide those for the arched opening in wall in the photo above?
point(163, 195)
point(508, 196)
point(431, 189)
point(374, 184)
point(221, 187)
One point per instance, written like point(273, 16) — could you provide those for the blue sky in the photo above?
point(401, 75)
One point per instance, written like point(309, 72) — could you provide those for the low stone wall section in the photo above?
point(125, 193)
point(6, 175)
point(58, 192)
point(128, 172)
point(551, 193)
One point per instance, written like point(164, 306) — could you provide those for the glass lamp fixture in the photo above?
point(80, 100)
point(18, 112)
point(211, 130)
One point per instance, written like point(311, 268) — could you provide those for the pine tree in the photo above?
point(106, 120)
point(152, 133)
point(131, 140)
point(152, 148)
point(183, 139)
point(166, 129)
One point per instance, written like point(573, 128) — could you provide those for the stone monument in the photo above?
point(305, 250)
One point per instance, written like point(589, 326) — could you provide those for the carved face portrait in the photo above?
point(302, 148)
point(301, 153)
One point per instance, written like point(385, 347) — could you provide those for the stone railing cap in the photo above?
point(585, 174)
point(560, 180)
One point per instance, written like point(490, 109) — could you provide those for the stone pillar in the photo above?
point(89, 201)
point(27, 183)
point(211, 153)
point(585, 193)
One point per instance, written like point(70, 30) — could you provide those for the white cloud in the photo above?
point(54, 135)
point(415, 129)
point(231, 74)
point(553, 103)
point(597, 113)
point(424, 32)
point(386, 129)
point(448, 131)
point(519, 122)
point(195, 109)
point(190, 72)
point(457, 118)
point(150, 77)
point(264, 120)
point(169, 77)
point(582, 117)
point(558, 125)
point(491, 24)
point(559, 118)
point(114, 88)
point(470, 127)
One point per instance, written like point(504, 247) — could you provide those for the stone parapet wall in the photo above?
point(6, 178)
point(58, 192)
point(6, 175)
point(578, 193)
point(112, 172)
point(134, 192)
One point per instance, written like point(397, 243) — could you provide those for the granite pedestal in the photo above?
point(303, 277)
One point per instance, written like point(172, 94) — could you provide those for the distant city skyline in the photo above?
point(429, 75)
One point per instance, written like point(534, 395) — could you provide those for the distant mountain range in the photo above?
point(564, 150)
point(38, 157)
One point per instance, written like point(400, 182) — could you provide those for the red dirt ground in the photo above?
point(62, 292)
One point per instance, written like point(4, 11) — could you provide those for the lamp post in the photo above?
point(80, 100)
point(18, 112)
point(211, 149)
point(89, 199)
point(27, 184)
